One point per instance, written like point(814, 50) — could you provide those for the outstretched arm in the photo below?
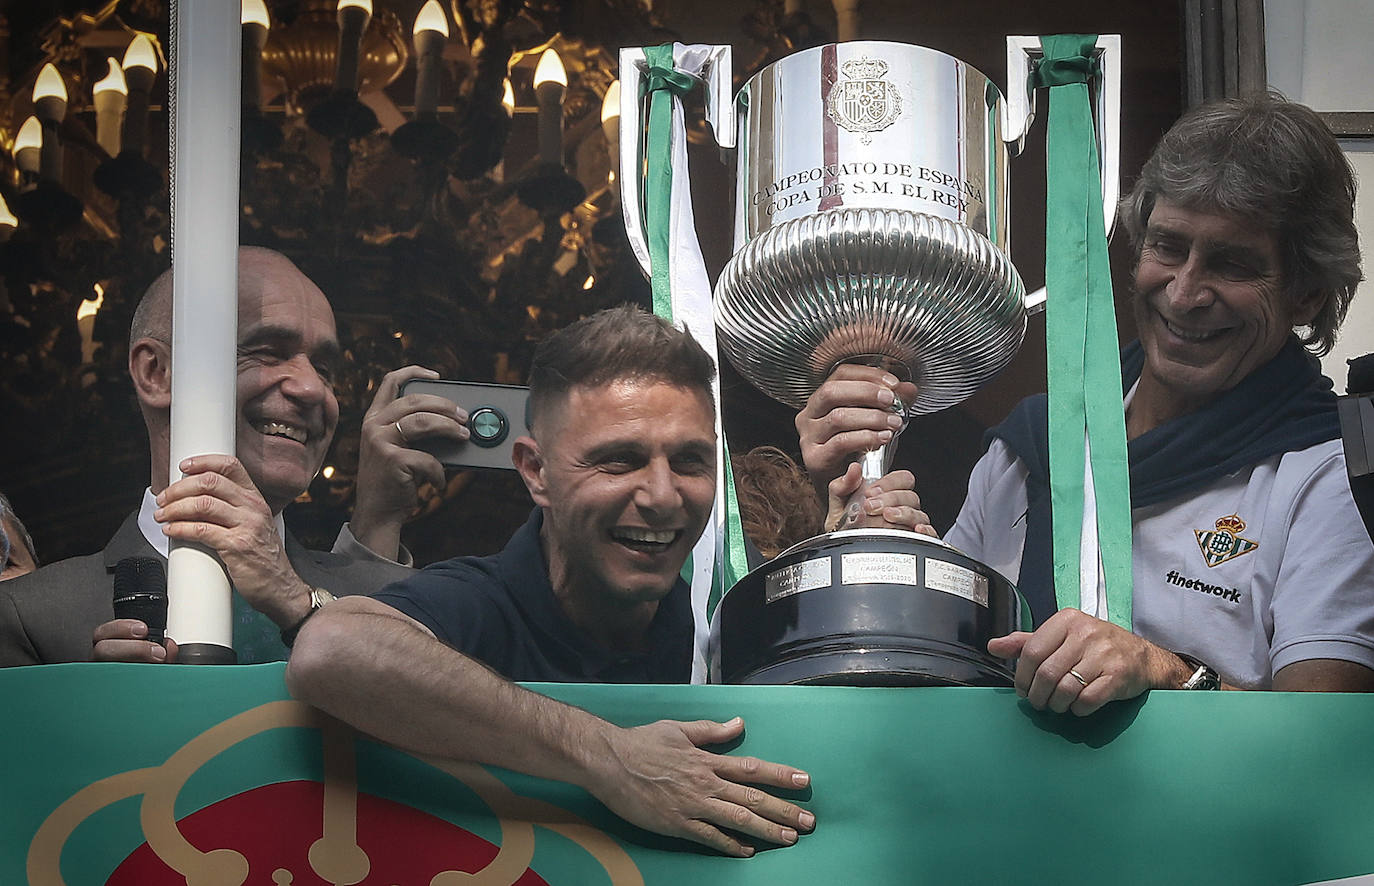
point(384, 673)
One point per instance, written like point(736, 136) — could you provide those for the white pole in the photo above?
point(205, 197)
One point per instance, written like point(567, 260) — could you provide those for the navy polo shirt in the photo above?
point(501, 611)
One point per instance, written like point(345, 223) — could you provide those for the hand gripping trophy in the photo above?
point(870, 226)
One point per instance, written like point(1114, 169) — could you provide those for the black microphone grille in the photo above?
point(151, 574)
point(139, 575)
point(140, 592)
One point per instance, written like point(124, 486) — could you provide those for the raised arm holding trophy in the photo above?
point(870, 227)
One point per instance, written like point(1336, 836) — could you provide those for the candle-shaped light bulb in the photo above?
point(28, 144)
point(50, 105)
point(30, 136)
point(431, 18)
point(610, 126)
point(85, 322)
point(8, 221)
point(508, 98)
point(550, 84)
point(254, 12)
point(113, 81)
point(140, 67)
point(50, 86)
point(140, 54)
point(353, 18)
point(610, 112)
point(253, 16)
point(111, 96)
point(430, 35)
point(550, 70)
point(91, 306)
point(498, 172)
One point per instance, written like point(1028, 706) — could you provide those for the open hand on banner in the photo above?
point(658, 777)
point(405, 687)
point(851, 413)
point(1074, 662)
point(390, 470)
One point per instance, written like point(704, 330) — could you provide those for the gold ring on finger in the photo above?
point(1077, 676)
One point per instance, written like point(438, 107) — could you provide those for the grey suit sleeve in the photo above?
point(15, 646)
point(347, 545)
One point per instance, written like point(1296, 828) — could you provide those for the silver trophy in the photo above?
point(871, 224)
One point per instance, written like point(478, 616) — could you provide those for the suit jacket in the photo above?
point(49, 615)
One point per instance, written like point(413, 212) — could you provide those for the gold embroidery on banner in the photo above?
point(336, 857)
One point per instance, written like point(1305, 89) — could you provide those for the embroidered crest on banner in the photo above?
point(864, 102)
point(1225, 542)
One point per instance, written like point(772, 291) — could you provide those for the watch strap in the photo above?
point(1204, 676)
point(318, 598)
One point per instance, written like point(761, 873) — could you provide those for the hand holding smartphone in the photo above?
point(497, 414)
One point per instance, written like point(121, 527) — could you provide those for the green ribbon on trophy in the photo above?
point(682, 294)
point(1089, 480)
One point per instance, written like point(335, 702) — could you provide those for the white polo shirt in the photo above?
point(1264, 567)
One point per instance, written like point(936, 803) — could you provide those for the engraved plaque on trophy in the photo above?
point(871, 225)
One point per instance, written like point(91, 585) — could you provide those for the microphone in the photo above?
point(1356, 411)
point(140, 591)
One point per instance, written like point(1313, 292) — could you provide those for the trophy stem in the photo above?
point(875, 463)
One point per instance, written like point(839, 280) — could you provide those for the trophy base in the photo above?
point(867, 607)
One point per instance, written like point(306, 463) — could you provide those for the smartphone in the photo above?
point(497, 414)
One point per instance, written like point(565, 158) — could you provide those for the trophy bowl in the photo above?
point(935, 301)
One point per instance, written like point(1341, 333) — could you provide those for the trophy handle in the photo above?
point(1019, 112)
point(717, 74)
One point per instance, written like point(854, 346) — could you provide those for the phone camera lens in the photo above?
point(488, 425)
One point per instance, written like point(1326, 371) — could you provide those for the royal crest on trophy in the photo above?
point(863, 101)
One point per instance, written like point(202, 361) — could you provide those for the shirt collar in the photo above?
point(525, 573)
point(152, 530)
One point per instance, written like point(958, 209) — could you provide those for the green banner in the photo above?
point(127, 774)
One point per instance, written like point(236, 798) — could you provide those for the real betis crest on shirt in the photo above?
point(1225, 542)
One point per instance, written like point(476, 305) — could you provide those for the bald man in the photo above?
point(286, 415)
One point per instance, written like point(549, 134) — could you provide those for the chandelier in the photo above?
point(444, 171)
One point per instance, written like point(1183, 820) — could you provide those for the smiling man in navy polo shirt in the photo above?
point(621, 466)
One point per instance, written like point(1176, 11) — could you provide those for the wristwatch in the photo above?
point(1204, 675)
point(318, 598)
